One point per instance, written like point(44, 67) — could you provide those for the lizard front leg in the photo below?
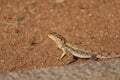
point(63, 54)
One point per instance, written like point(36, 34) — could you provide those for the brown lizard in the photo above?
point(76, 51)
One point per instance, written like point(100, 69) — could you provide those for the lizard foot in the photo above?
point(94, 58)
point(72, 60)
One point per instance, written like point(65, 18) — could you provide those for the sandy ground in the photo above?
point(24, 25)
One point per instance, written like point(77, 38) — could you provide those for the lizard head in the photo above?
point(57, 38)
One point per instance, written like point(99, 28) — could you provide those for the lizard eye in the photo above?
point(61, 39)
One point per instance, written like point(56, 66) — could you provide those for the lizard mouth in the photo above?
point(52, 37)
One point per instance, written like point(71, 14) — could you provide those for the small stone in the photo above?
point(60, 1)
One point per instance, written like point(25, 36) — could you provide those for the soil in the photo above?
point(24, 25)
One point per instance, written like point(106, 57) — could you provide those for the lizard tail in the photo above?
point(108, 55)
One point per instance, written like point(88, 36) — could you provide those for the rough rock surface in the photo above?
point(108, 70)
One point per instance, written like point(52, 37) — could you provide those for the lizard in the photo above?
point(76, 51)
